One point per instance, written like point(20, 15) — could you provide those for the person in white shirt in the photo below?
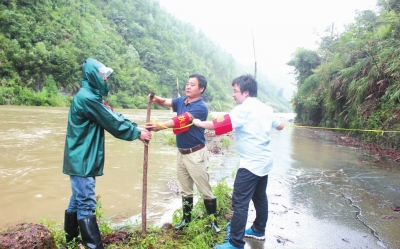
point(252, 122)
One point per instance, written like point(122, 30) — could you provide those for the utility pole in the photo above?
point(255, 61)
point(177, 88)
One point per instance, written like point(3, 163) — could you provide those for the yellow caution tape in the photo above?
point(165, 127)
point(299, 126)
point(342, 129)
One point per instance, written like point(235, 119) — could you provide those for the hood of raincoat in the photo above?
point(91, 77)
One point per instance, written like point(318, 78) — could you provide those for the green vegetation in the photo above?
point(198, 234)
point(165, 137)
point(43, 43)
point(352, 80)
point(225, 141)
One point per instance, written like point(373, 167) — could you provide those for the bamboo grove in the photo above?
point(44, 42)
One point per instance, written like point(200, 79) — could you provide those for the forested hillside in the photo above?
point(44, 42)
point(352, 80)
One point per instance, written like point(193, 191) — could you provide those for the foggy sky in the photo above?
point(278, 27)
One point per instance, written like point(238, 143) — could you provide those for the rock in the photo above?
point(27, 236)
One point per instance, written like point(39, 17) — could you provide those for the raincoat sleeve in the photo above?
point(116, 124)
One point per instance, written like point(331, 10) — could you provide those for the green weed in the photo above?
point(55, 228)
point(225, 141)
point(165, 137)
point(103, 222)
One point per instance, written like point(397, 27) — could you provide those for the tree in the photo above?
point(304, 62)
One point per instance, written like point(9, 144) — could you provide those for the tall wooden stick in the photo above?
point(145, 160)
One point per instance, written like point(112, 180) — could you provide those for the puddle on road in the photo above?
point(347, 190)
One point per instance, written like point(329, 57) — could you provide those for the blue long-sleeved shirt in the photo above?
point(252, 121)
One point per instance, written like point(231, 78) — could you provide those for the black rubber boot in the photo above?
point(71, 226)
point(187, 206)
point(211, 207)
point(90, 232)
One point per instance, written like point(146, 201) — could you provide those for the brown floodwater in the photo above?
point(321, 195)
point(32, 184)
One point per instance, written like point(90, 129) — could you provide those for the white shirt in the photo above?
point(252, 121)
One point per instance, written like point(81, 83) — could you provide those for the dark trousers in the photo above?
point(248, 186)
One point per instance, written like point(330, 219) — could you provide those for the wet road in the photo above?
point(322, 195)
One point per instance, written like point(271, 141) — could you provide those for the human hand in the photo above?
point(156, 99)
point(143, 128)
point(196, 122)
point(145, 135)
point(150, 97)
point(153, 127)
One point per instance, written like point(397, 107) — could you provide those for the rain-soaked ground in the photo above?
point(321, 194)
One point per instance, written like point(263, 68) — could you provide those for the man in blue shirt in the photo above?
point(192, 161)
point(252, 122)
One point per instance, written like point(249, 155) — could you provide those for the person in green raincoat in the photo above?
point(88, 117)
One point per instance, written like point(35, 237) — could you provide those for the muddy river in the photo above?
point(321, 195)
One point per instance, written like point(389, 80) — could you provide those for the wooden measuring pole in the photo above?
point(145, 160)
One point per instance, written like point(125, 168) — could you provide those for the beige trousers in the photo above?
point(192, 169)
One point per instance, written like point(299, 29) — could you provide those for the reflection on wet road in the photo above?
point(321, 195)
point(339, 197)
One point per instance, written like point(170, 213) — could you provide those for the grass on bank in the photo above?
point(198, 234)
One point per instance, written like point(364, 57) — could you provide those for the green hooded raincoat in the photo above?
point(88, 117)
